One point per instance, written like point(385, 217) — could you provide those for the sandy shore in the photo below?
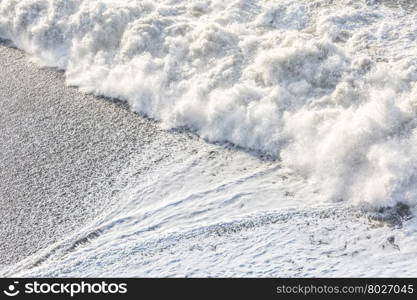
point(60, 152)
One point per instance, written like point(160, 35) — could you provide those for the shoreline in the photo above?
point(61, 153)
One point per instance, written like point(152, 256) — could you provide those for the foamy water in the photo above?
point(328, 88)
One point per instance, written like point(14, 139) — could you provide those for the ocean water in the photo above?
point(303, 155)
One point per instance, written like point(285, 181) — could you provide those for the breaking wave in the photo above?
point(328, 87)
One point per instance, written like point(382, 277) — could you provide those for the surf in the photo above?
point(327, 88)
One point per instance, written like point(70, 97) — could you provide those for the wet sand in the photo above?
point(60, 154)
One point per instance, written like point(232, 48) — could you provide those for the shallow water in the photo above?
point(324, 90)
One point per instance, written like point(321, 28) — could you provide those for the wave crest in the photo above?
point(330, 89)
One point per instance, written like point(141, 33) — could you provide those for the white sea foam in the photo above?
point(327, 86)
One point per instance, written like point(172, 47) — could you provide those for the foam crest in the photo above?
point(326, 86)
